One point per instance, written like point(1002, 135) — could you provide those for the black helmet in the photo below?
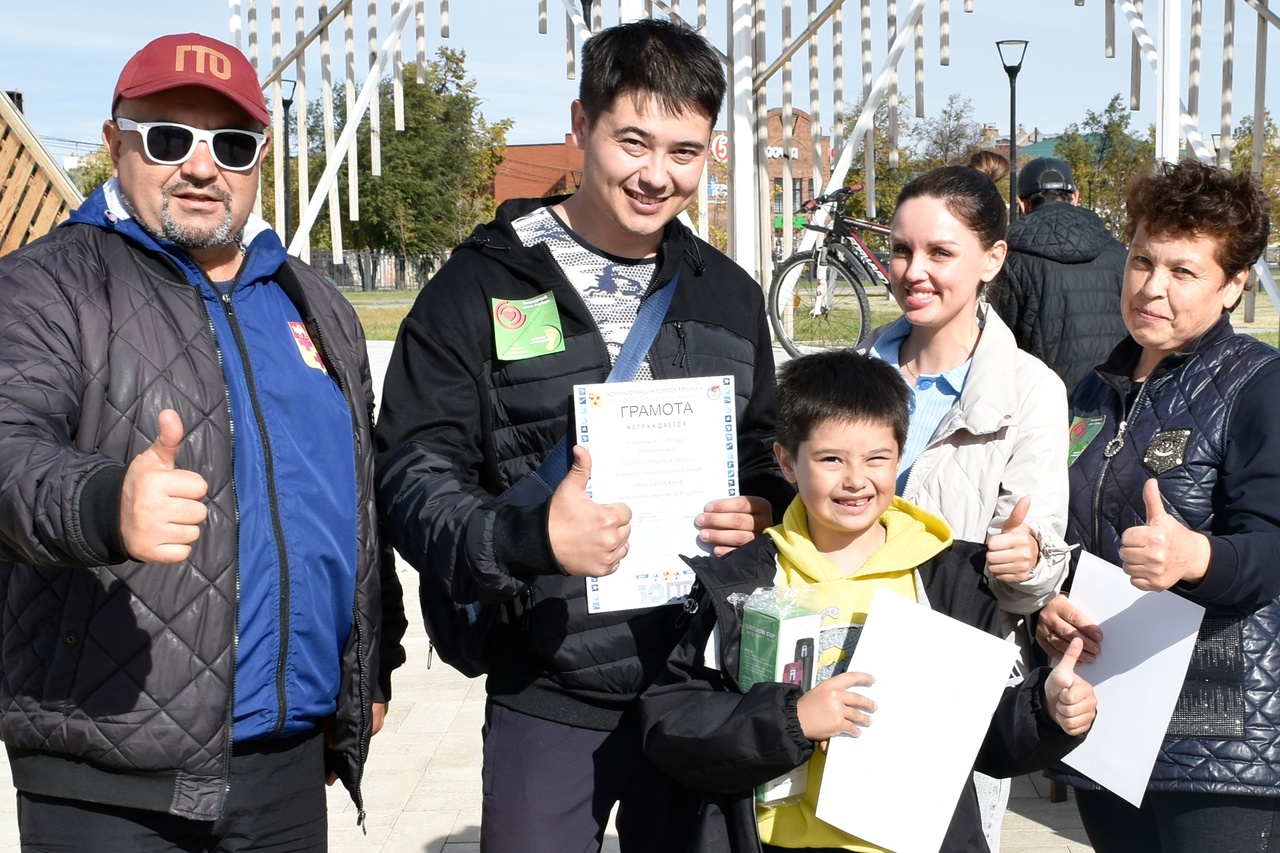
point(1045, 173)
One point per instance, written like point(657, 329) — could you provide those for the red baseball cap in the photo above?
point(191, 59)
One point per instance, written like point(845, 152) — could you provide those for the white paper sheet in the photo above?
point(664, 448)
point(1147, 640)
point(938, 681)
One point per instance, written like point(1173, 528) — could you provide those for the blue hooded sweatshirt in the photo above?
point(295, 483)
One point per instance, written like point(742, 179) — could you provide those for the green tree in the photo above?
point(1242, 154)
point(436, 174)
point(93, 171)
point(1105, 157)
point(951, 135)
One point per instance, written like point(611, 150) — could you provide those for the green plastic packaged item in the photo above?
point(780, 629)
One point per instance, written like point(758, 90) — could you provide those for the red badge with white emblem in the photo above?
point(310, 355)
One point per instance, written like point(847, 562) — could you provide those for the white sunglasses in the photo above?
point(169, 143)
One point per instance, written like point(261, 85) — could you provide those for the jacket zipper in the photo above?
point(276, 524)
point(1111, 448)
point(682, 351)
point(361, 666)
point(365, 722)
point(235, 623)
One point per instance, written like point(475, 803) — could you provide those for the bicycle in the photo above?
point(818, 298)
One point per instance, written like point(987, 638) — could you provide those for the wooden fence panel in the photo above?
point(35, 194)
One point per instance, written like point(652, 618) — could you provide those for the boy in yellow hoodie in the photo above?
point(842, 420)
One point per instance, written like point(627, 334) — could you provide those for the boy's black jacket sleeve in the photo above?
point(1023, 737)
point(699, 729)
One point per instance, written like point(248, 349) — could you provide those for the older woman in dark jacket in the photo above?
point(1178, 481)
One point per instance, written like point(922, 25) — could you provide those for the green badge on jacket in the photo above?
point(1083, 431)
point(526, 328)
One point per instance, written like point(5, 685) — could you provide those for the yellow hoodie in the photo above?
point(912, 536)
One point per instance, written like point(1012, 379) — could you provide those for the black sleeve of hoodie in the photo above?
point(429, 443)
point(1023, 737)
point(703, 732)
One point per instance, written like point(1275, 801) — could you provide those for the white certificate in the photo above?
point(933, 711)
point(664, 448)
point(1147, 640)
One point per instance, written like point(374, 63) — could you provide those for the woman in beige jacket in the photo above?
point(987, 446)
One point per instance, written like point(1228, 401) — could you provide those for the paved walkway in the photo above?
point(422, 783)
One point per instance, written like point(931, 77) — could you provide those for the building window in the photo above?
point(777, 195)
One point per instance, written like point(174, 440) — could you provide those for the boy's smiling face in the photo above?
point(845, 472)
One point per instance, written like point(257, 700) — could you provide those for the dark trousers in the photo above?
point(549, 788)
point(1176, 822)
point(276, 804)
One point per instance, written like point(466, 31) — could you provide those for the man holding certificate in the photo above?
point(552, 295)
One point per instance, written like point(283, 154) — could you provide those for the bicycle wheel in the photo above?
point(816, 307)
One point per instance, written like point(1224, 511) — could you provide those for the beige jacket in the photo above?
point(1005, 438)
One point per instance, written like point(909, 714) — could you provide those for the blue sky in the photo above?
point(64, 55)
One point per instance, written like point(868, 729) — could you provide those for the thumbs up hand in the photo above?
point(1012, 553)
point(161, 506)
point(1162, 552)
point(1069, 698)
point(588, 539)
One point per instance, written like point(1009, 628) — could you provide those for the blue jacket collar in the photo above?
point(105, 208)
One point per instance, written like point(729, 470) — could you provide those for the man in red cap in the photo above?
point(189, 561)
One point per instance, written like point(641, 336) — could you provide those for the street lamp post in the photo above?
point(286, 100)
point(1011, 53)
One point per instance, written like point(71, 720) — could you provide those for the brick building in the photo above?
point(537, 171)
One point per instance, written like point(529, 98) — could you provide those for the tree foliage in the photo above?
point(1105, 157)
point(437, 173)
point(1242, 155)
point(93, 171)
point(951, 135)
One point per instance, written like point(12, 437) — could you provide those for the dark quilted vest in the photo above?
point(1223, 734)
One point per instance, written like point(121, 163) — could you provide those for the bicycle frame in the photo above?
point(857, 248)
point(851, 249)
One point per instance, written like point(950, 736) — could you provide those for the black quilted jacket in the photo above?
point(1207, 427)
point(458, 426)
point(1059, 290)
point(118, 676)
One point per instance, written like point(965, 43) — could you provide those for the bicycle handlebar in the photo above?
point(836, 196)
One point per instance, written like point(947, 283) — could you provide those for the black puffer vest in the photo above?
point(1223, 737)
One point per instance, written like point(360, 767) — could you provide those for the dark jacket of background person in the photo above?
point(1059, 290)
point(119, 676)
point(1221, 394)
point(704, 732)
point(458, 426)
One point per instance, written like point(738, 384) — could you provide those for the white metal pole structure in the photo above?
point(367, 93)
point(744, 200)
point(1195, 140)
point(753, 57)
point(1169, 82)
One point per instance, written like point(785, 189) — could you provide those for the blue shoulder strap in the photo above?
point(537, 487)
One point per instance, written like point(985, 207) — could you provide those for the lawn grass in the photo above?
point(382, 311)
point(1265, 324)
